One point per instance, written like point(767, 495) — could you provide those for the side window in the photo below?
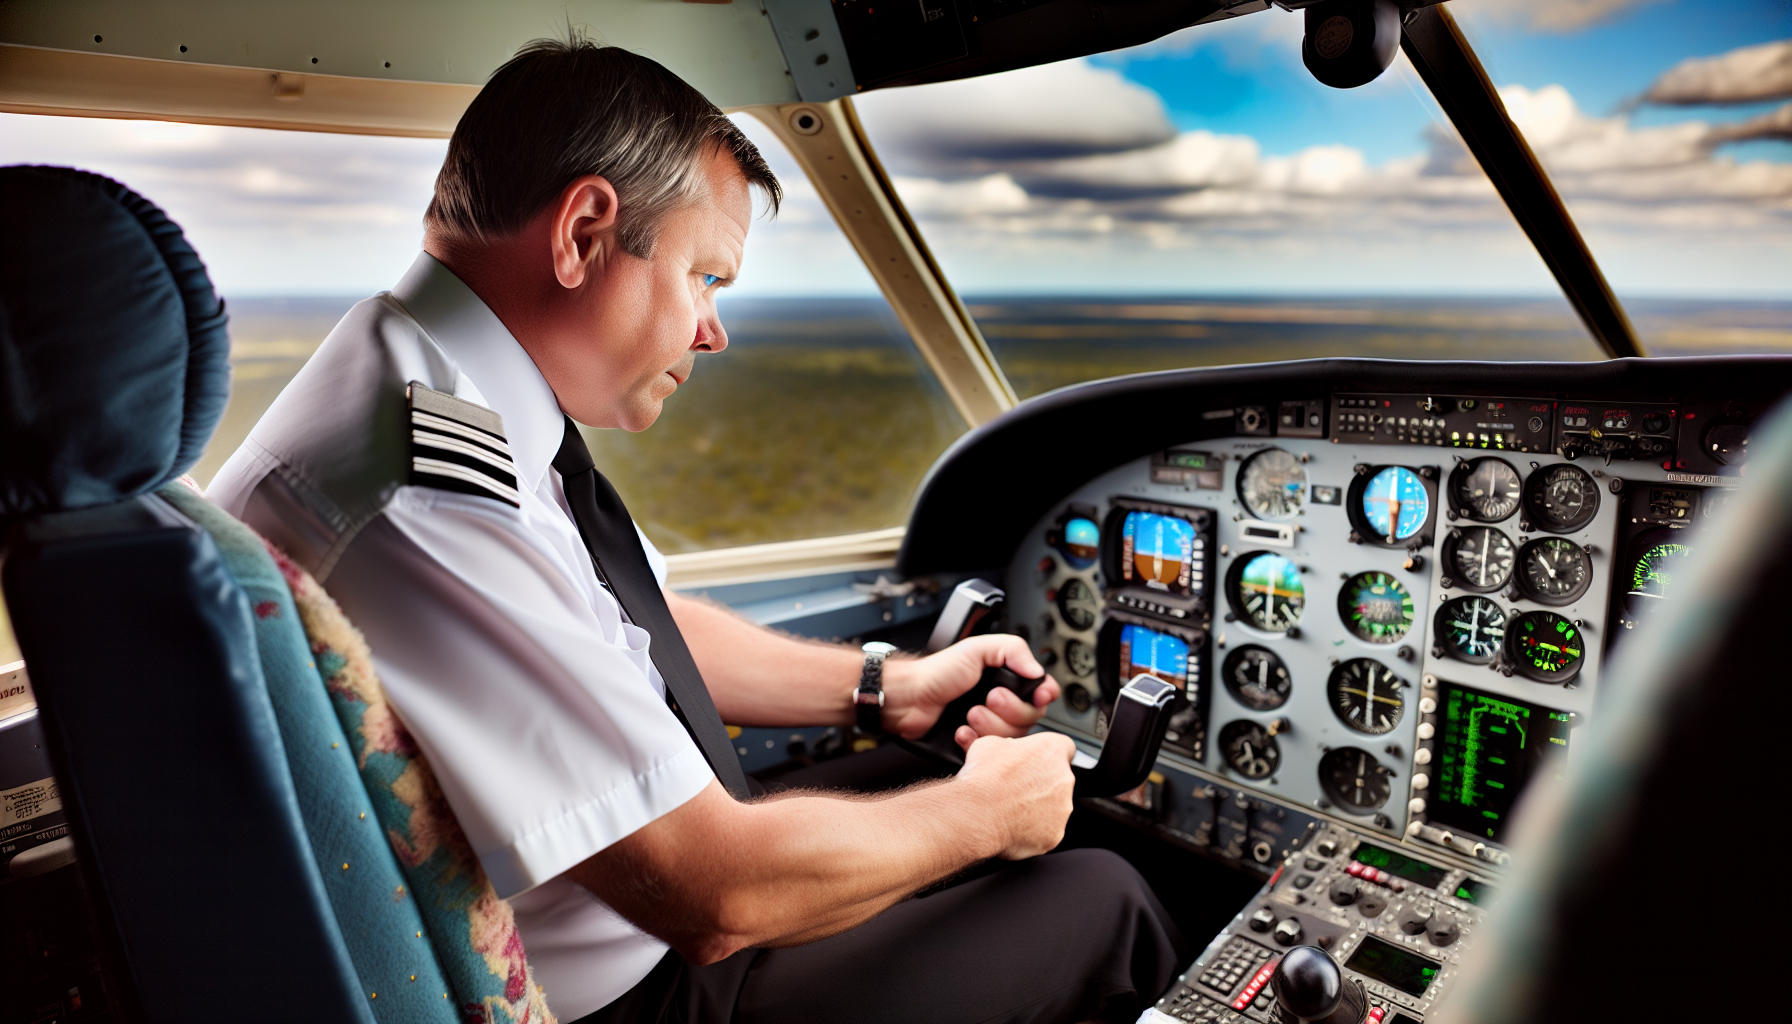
point(820, 418)
point(294, 227)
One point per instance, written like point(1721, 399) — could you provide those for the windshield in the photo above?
point(1667, 127)
point(1202, 199)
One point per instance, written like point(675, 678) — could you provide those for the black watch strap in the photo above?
point(868, 699)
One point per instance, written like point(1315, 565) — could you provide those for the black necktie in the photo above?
point(621, 562)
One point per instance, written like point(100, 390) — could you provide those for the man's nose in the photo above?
point(711, 335)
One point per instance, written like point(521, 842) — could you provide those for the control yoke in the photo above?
point(1135, 731)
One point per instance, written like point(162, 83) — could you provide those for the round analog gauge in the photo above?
point(1366, 696)
point(1268, 592)
point(1249, 749)
point(1395, 504)
point(1273, 484)
point(1652, 577)
point(1471, 629)
point(1544, 646)
point(1554, 570)
point(1078, 604)
point(1079, 656)
point(1375, 607)
point(1486, 489)
point(1354, 779)
point(1480, 558)
point(1080, 542)
point(1257, 678)
point(1561, 498)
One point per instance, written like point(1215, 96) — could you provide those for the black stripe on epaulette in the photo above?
point(459, 446)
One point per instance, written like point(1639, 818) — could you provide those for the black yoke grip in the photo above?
point(938, 744)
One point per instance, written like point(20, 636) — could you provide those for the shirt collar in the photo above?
point(490, 356)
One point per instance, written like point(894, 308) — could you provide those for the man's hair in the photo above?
point(562, 109)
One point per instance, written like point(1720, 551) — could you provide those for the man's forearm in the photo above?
point(760, 677)
point(789, 870)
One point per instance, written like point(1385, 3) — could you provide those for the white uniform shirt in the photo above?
point(515, 669)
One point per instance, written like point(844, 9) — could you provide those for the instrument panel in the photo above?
point(1394, 611)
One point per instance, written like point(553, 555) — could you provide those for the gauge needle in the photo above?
point(1484, 546)
point(1263, 675)
point(1544, 562)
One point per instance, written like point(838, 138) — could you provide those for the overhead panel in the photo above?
point(350, 66)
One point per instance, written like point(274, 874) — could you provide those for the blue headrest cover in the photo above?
point(114, 349)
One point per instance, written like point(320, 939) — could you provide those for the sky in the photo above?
point(1206, 162)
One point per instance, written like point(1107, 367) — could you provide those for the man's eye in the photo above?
point(709, 280)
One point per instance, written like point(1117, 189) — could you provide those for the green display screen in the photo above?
point(1474, 891)
point(1389, 964)
point(1187, 459)
point(1400, 865)
point(1488, 749)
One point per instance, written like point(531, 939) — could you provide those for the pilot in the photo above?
point(424, 466)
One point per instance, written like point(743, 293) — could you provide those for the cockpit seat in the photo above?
point(239, 866)
point(1626, 902)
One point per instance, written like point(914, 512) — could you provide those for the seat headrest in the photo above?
point(114, 348)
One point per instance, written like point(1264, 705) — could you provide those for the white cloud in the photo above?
point(1421, 219)
point(1743, 75)
point(1562, 16)
point(991, 194)
point(1605, 160)
point(1053, 110)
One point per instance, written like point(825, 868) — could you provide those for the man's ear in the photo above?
point(582, 231)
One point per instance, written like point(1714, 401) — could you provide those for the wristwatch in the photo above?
point(868, 699)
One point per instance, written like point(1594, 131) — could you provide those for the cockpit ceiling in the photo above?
point(408, 67)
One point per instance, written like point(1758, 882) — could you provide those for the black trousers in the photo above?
point(1068, 937)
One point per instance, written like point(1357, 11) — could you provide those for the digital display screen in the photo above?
point(1475, 891)
point(1149, 652)
point(1488, 748)
point(1389, 964)
point(1400, 865)
point(1157, 550)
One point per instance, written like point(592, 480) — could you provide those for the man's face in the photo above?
point(640, 323)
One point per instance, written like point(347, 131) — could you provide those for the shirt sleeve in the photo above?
point(532, 699)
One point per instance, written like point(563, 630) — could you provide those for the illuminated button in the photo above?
point(1427, 706)
point(1427, 730)
point(1421, 756)
point(1421, 780)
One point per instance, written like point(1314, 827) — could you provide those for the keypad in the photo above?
point(1236, 961)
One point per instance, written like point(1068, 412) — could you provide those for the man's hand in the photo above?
point(916, 690)
point(1030, 779)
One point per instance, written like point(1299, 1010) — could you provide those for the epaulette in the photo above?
point(459, 446)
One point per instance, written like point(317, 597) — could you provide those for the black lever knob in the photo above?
point(1311, 987)
point(1308, 983)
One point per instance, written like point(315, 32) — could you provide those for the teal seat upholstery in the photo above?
point(377, 912)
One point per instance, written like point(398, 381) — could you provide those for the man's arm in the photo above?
point(760, 677)
point(715, 876)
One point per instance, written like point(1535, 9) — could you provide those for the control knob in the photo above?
point(1444, 929)
point(1416, 918)
point(1289, 931)
point(1263, 920)
point(1344, 892)
point(1310, 987)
